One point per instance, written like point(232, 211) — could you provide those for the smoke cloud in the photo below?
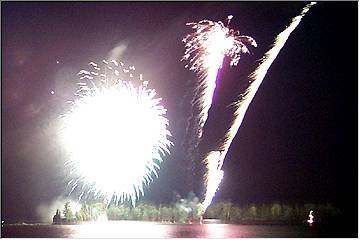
point(46, 211)
point(117, 51)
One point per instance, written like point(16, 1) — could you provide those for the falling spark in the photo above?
point(205, 50)
point(242, 105)
point(116, 134)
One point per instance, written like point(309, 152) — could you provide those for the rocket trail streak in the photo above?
point(215, 159)
point(257, 77)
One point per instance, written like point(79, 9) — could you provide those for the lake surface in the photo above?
point(133, 229)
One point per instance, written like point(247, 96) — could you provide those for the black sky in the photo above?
point(298, 141)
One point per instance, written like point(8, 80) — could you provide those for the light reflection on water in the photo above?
point(133, 229)
point(122, 229)
point(129, 229)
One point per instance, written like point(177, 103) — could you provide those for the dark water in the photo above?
point(131, 229)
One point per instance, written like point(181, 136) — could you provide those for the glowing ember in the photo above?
point(311, 218)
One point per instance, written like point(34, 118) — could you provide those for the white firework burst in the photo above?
point(115, 133)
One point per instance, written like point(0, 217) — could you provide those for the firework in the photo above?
point(205, 50)
point(213, 177)
point(242, 105)
point(115, 133)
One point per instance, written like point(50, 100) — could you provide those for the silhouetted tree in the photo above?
point(67, 212)
point(57, 217)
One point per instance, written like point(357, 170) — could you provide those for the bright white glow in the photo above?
point(75, 206)
point(116, 135)
point(244, 101)
point(102, 218)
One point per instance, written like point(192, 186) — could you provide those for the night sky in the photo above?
point(297, 143)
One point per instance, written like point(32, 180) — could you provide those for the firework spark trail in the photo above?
point(215, 159)
point(115, 132)
point(205, 50)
